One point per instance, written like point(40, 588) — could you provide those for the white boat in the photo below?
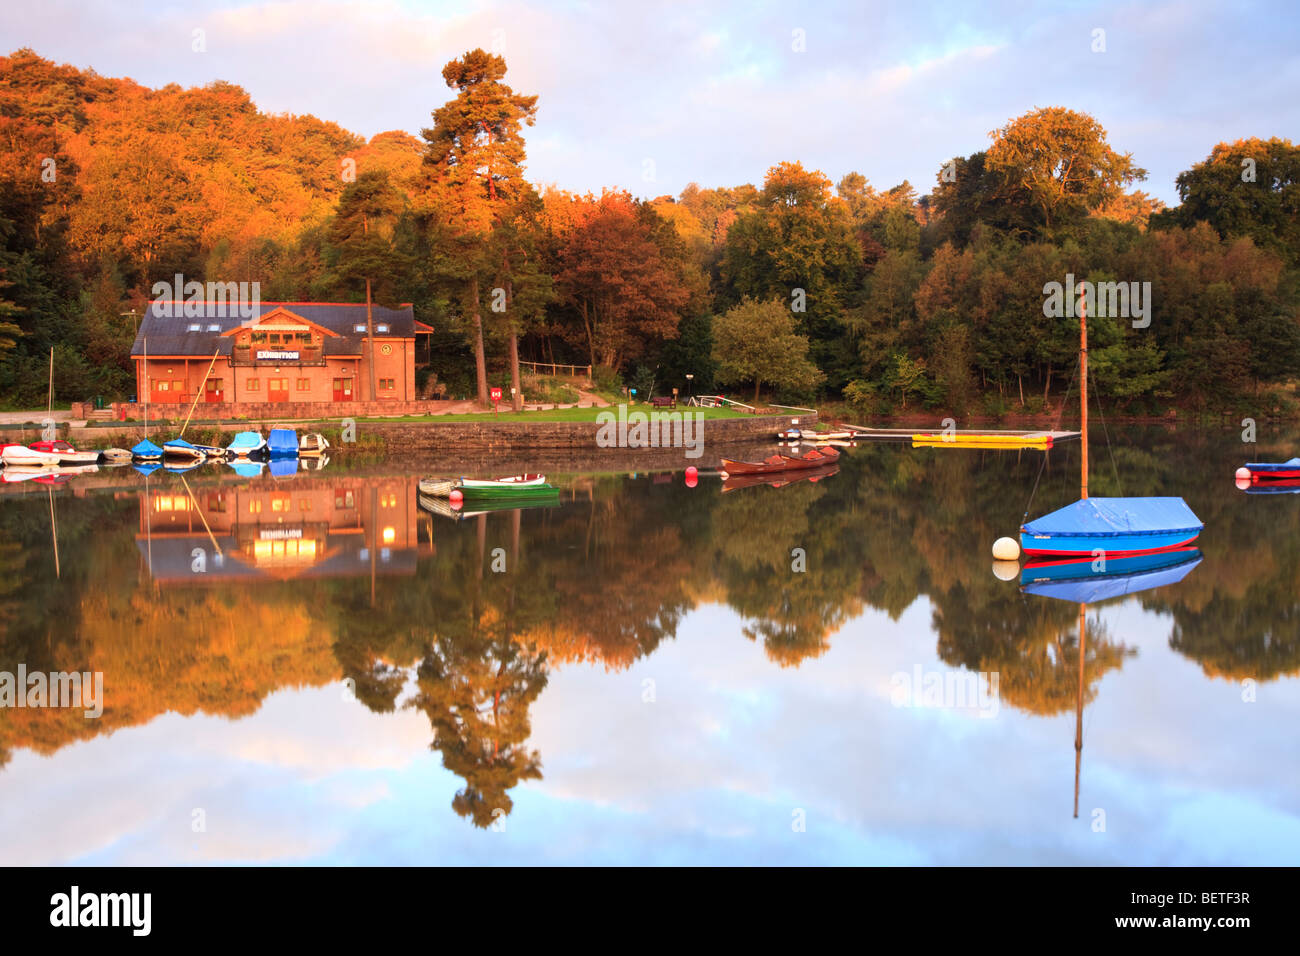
point(67, 454)
point(22, 455)
point(809, 435)
point(510, 481)
point(117, 456)
point(313, 443)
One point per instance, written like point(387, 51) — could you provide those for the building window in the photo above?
point(381, 327)
point(387, 384)
point(360, 327)
point(303, 338)
point(259, 338)
point(304, 385)
point(253, 385)
point(214, 327)
point(196, 327)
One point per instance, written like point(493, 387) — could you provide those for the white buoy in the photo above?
point(1006, 570)
point(1006, 549)
point(1242, 483)
point(1243, 472)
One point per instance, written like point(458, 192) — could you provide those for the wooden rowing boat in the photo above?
point(813, 458)
point(777, 464)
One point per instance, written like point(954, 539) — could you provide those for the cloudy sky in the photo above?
point(651, 96)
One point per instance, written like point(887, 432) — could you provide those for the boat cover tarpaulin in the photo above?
point(1103, 517)
point(1102, 587)
point(146, 449)
point(282, 443)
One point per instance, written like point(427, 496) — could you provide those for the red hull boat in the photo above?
point(778, 464)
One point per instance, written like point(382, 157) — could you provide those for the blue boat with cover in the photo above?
point(1115, 526)
point(146, 451)
point(282, 443)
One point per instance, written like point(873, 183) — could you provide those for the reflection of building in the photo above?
point(266, 529)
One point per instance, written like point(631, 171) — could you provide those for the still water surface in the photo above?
point(316, 669)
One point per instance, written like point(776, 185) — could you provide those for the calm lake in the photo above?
point(316, 669)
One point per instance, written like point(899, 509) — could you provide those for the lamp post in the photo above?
point(689, 386)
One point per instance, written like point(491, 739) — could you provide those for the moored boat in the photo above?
point(282, 443)
point(67, 455)
point(15, 454)
point(810, 435)
point(510, 481)
point(1107, 527)
point(773, 464)
point(146, 451)
point(180, 451)
point(1262, 471)
point(313, 443)
point(116, 456)
point(246, 445)
point(813, 458)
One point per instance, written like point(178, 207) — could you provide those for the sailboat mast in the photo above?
point(1083, 389)
point(1078, 706)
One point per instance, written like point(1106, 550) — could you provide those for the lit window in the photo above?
point(304, 385)
point(381, 328)
point(360, 328)
point(253, 384)
point(196, 327)
point(214, 327)
point(390, 535)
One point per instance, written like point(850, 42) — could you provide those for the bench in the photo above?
point(664, 401)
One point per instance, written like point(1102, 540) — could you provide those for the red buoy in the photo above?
point(692, 477)
point(456, 498)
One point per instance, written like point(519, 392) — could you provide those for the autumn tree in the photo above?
point(1057, 162)
point(1250, 187)
point(756, 342)
point(612, 274)
point(474, 153)
point(362, 232)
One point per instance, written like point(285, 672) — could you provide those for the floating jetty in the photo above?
point(962, 438)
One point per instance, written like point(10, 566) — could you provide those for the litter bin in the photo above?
point(99, 403)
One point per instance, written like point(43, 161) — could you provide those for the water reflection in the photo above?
point(205, 594)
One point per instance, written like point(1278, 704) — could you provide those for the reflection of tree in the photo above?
point(1032, 643)
point(1238, 638)
point(477, 682)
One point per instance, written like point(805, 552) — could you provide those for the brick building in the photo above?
point(287, 352)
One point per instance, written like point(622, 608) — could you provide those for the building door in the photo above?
point(213, 391)
point(160, 390)
point(278, 389)
point(343, 390)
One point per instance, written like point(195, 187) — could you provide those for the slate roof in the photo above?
point(171, 335)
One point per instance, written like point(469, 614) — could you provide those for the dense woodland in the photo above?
point(800, 287)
